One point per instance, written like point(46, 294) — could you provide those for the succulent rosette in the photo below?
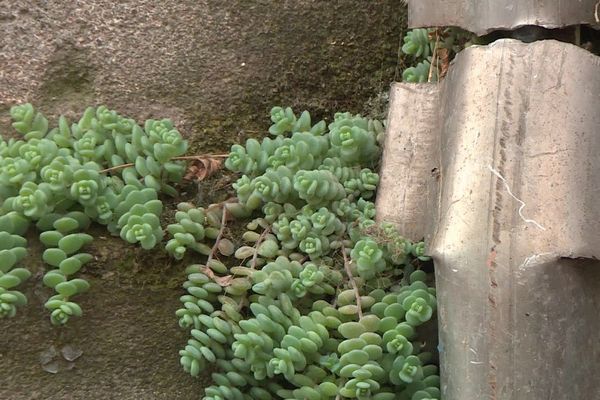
point(406, 369)
point(58, 174)
point(417, 43)
point(87, 184)
point(33, 200)
point(318, 187)
point(140, 225)
point(283, 120)
point(166, 141)
point(27, 121)
point(15, 171)
point(368, 257)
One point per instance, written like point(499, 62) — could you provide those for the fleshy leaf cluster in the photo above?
point(12, 250)
point(103, 168)
point(429, 51)
point(85, 165)
point(313, 299)
point(63, 240)
point(188, 232)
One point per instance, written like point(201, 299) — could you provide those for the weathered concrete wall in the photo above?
point(215, 67)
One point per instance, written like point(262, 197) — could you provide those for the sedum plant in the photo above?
point(429, 51)
point(103, 168)
point(12, 250)
point(61, 236)
point(313, 299)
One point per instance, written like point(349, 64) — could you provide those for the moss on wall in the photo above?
point(216, 68)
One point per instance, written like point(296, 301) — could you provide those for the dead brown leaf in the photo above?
point(200, 168)
point(223, 281)
point(444, 61)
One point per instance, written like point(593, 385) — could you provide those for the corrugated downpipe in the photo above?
point(483, 16)
point(501, 166)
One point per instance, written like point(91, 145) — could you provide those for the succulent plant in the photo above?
point(312, 300)
point(14, 172)
point(12, 250)
point(318, 187)
point(354, 139)
point(368, 257)
point(419, 73)
point(406, 369)
point(27, 121)
point(163, 141)
point(417, 43)
point(283, 120)
point(295, 324)
point(432, 46)
point(141, 224)
point(64, 176)
point(33, 200)
point(188, 232)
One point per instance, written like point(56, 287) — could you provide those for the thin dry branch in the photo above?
point(434, 59)
point(353, 283)
point(200, 157)
point(219, 235)
point(181, 158)
point(221, 280)
point(254, 258)
point(257, 245)
point(222, 203)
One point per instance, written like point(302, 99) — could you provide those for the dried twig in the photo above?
point(182, 158)
point(219, 235)
point(222, 203)
point(434, 62)
point(257, 245)
point(225, 280)
point(352, 282)
point(116, 167)
point(254, 257)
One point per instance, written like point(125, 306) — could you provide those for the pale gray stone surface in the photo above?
point(215, 67)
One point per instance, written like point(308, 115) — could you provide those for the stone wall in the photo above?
point(215, 67)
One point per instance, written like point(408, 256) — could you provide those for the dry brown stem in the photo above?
point(182, 158)
point(257, 245)
point(434, 60)
point(219, 235)
point(352, 282)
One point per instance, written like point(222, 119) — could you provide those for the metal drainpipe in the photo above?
point(498, 166)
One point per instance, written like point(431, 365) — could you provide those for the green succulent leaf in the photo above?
point(53, 278)
point(314, 299)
